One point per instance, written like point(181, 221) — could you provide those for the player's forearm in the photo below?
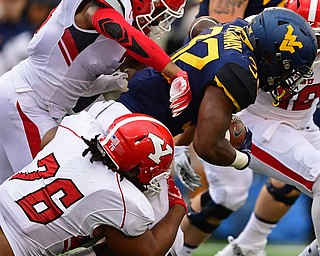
point(165, 231)
point(111, 24)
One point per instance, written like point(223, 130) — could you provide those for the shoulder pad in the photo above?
point(240, 84)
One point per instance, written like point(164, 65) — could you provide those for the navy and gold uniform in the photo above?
point(221, 56)
point(254, 6)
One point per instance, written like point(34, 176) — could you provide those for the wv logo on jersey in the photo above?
point(289, 41)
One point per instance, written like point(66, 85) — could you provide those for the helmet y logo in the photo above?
point(289, 41)
point(158, 151)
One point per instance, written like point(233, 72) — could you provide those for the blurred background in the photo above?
point(19, 19)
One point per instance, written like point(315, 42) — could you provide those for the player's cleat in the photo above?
point(235, 249)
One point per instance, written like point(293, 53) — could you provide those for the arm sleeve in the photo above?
point(111, 24)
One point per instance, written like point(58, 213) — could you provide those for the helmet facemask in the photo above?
point(285, 48)
point(281, 80)
point(159, 19)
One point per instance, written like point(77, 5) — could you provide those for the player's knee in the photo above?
point(209, 210)
point(235, 199)
point(281, 194)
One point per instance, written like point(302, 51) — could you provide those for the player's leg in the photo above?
point(22, 125)
point(12, 137)
point(313, 249)
point(276, 154)
point(298, 162)
point(228, 191)
point(274, 200)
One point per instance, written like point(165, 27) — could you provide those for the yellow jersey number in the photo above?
point(194, 60)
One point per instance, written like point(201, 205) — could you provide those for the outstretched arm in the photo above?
point(110, 23)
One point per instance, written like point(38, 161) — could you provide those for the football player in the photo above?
point(221, 83)
point(289, 117)
point(104, 175)
point(297, 122)
point(80, 40)
point(226, 65)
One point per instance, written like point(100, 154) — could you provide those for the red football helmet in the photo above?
point(154, 17)
point(139, 140)
point(309, 9)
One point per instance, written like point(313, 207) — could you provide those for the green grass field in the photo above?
point(209, 249)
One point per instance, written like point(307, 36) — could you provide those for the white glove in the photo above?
point(183, 168)
point(107, 83)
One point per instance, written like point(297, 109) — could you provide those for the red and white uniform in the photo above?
point(61, 197)
point(63, 62)
point(65, 59)
point(286, 145)
point(286, 142)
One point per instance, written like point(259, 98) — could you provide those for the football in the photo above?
point(237, 132)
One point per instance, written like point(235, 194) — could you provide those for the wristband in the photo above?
point(241, 161)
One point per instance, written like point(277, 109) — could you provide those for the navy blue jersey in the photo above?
point(221, 56)
point(254, 7)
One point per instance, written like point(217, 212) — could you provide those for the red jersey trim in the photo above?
point(138, 45)
point(274, 163)
point(68, 47)
point(32, 132)
point(123, 202)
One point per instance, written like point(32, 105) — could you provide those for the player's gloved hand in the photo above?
point(180, 93)
point(183, 168)
point(115, 81)
point(247, 143)
point(174, 194)
point(108, 83)
point(246, 149)
point(118, 80)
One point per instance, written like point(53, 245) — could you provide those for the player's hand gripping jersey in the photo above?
point(221, 57)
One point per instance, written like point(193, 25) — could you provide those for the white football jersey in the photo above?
point(65, 59)
point(57, 201)
point(298, 111)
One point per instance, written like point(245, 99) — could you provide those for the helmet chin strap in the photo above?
point(277, 99)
